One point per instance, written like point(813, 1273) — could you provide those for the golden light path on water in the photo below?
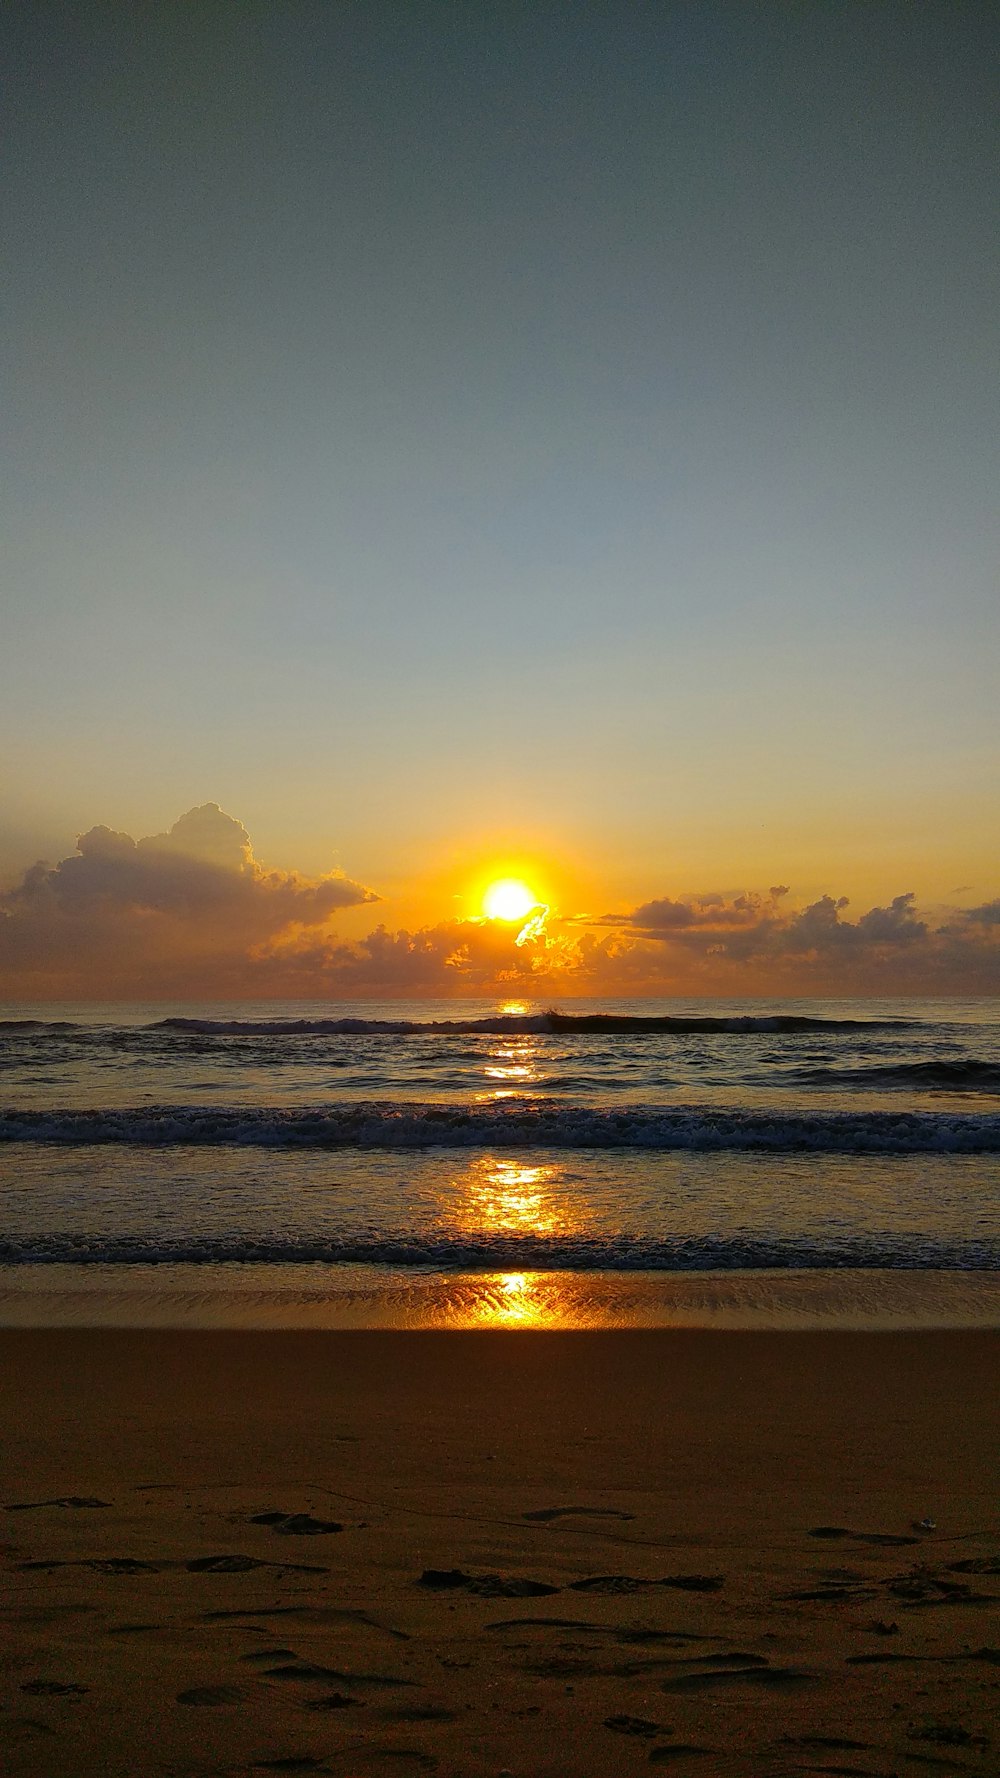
point(514, 1064)
point(499, 1194)
point(505, 1195)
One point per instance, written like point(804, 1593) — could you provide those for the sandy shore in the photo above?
point(689, 1549)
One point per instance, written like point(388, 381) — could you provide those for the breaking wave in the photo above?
point(510, 1253)
point(517, 1125)
point(528, 1025)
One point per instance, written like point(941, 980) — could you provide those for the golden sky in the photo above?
point(191, 913)
point(468, 441)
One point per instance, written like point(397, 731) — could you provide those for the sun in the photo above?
point(508, 899)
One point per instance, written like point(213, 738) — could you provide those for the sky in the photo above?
point(453, 441)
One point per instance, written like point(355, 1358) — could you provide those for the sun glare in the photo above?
point(508, 899)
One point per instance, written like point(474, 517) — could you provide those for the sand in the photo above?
point(695, 1550)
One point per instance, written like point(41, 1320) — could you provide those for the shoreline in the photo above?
point(262, 1296)
point(701, 1548)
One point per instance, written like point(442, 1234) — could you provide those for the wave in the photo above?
point(526, 1025)
point(969, 1074)
point(509, 1253)
point(516, 1125)
point(40, 1025)
point(545, 1024)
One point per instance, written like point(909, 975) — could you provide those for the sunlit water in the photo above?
point(476, 1164)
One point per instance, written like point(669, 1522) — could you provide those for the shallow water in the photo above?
point(445, 1140)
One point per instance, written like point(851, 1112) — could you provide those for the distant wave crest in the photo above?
point(963, 1074)
point(528, 1025)
point(520, 1125)
point(22, 1025)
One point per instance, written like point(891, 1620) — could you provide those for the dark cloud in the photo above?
point(664, 915)
point(760, 944)
point(700, 913)
point(178, 911)
point(987, 915)
point(749, 924)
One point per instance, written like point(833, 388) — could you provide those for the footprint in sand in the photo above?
point(834, 1743)
point(828, 1594)
point(289, 1762)
point(947, 1734)
point(297, 1524)
point(308, 1671)
point(634, 1725)
point(548, 1513)
point(26, 1728)
point(419, 1713)
point(484, 1586)
point(883, 1539)
point(373, 1758)
point(100, 1565)
point(30, 1506)
point(628, 1583)
point(212, 1695)
point(53, 1688)
point(225, 1564)
point(120, 1565)
point(776, 1678)
point(659, 1756)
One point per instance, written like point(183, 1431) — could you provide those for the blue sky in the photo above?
point(439, 430)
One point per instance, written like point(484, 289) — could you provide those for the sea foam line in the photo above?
point(508, 1253)
point(520, 1125)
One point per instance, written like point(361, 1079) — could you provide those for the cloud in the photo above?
point(176, 912)
point(455, 957)
point(760, 944)
point(745, 945)
point(191, 914)
point(987, 915)
point(700, 912)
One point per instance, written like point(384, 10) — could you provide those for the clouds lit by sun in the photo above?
point(191, 911)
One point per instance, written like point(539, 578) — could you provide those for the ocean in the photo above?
point(601, 1163)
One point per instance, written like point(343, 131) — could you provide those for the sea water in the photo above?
point(490, 1163)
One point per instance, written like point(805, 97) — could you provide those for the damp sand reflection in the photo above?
point(358, 1296)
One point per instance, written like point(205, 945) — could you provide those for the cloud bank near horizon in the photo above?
point(192, 914)
point(181, 912)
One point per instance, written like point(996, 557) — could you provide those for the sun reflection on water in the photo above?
point(514, 1063)
point(504, 1196)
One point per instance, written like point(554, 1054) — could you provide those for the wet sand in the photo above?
point(468, 1553)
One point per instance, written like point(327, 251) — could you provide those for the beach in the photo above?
point(470, 1553)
